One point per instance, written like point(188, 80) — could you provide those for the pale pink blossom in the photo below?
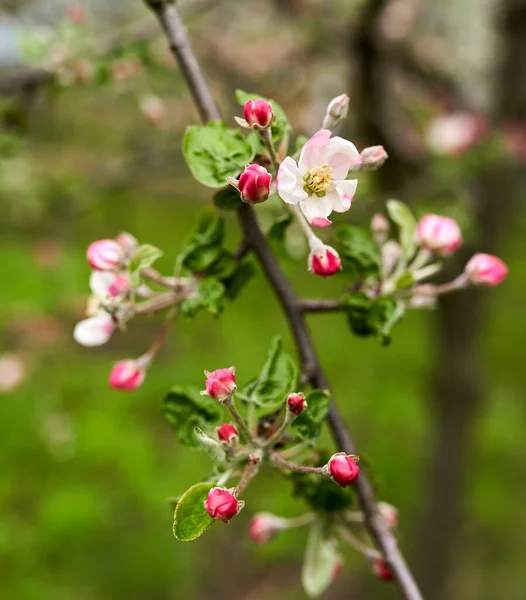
point(439, 234)
point(317, 182)
point(107, 284)
point(453, 134)
point(95, 330)
point(486, 269)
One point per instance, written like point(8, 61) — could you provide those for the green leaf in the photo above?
point(320, 492)
point(207, 295)
point(401, 214)
point(211, 446)
point(239, 278)
point(227, 199)
point(144, 257)
point(392, 315)
point(276, 381)
point(359, 254)
point(185, 409)
point(376, 317)
point(214, 152)
point(321, 559)
point(191, 519)
point(404, 281)
point(204, 247)
point(308, 425)
point(280, 125)
point(278, 230)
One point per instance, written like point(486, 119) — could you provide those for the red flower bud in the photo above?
point(324, 261)
point(258, 113)
point(220, 384)
point(438, 234)
point(127, 375)
point(343, 469)
point(222, 505)
point(227, 433)
point(104, 255)
point(382, 570)
point(296, 403)
point(254, 184)
point(264, 526)
point(486, 269)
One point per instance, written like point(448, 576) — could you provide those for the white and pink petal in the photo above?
point(94, 331)
point(290, 183)
point(313, 150)
point(345, 191)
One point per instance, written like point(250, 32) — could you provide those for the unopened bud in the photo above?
point(389, 514)
point(379, 224)
point(154, 109)
point(336, 111)
point(128, 242)
point(486, 269)
point(95, 330)
point(382, 570)
point(254, 184)
point(104, 255)
point(258, 114)
point(127, 375)
point(227, 433)
point(324, 261)
point(342, 469)
point(265, 526)
point(220, 384)
point(296, 403)
point(222, 505)
point(438, 234)
point(373, 157)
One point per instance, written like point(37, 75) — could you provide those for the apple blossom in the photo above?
point(95, 330)
point(222, 505)
point(254, 184)
point(104, 255)
point(324, 261)
point(317, 182)
point(107, 284)
point(373, 157)
point(127, 375)
point(438, 234)
point(389, 513)
point(220, 384)
point(296, 403)
point(453, 134)
point(486, 269)
point(128, 242)
point(227, 433)
point(342, 469)
point(258, 114)
point(264, 526)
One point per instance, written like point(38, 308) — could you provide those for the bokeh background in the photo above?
point(87, 472)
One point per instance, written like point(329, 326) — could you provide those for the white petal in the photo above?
point(342, 201)
point(312, 149)
point(100, 282)
point(340, 155)
point(316, 208)
point(94, 331)
point(289, 182)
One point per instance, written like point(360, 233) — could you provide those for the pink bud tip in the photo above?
point(389, 513)
point(438, 234)
point(382, 570)
point(227, 433)
point(221, 504)
point(104, 255)
point(126, 375)
point(265, 526)
point(258, 113)
point(343, 469)
point(324, 261)
point(296, 403)
point(373, 157)
point(254, 184)
point(486, 269)
point(220, 384)
point(379, 224)
point(338, 108)
point(128, 242)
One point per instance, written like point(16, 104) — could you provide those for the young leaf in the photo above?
point(360, 254)
point(211, 446)
point(401, 214)
point(227, 199)
point(185, 409)
point(275, 382)
point(191, 519)
point(280, 125)
point(308, 425)
point(321, 560)
point(240, 277)
point(204, 247)
point(144, 257)
point(207, 295)
point(369, 316)
point(320, 492)
point(214, 152)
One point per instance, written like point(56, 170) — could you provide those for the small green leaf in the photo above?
point(214, 152)
point(208, 295)
point(204, 246)
point(359, 254)
point(308, 425)
point(212, 447)
point(401, 214)
point(376, 317)
point(240, 277)
point(144, 257)
point(321, 559)
point(276, 381)
point(185, 409)
point(227, 199)
point(404, 281)
point(191, 519)
point(280, 125)
point(278, 230)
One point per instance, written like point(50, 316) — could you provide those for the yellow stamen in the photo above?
point(318, 179)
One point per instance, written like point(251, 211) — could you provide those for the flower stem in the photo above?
point(287, 420)
point(313, 240)
point(362, 548)
point(285, 464)
point(249, 473)
point(267, 138)
point(300, 521)
point(229, 403)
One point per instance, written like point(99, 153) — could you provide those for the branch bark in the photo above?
point(175, 31)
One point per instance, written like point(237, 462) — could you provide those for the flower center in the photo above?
point(317, 180)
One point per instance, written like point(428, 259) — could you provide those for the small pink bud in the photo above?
point(373, 157)
point(324, 261)
point(124, 68)
point(438, 234)
point(128, 242)
point(389, 514)
point(104, 255)
point(382, 570)
point(220, 384)
point(379, 224)
point(227, 433)
point(337, 109)
point(343, 469)
point(258, 114)
point(154, 109)
point(486, 269)
point(453, 134)
point(265, 526)
point(76, 13)
point(222, 505)
point(127, 375)
point(296, 403)
point(254, 184)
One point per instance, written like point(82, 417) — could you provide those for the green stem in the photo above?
point(231, 407)
point(267, 138)
point(277, 461)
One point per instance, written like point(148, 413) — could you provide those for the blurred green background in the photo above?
point(87, 472)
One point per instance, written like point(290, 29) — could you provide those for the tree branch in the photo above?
point(386, 541)
point(313, 305)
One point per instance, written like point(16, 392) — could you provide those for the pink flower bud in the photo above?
point(127, 375)
point(438, 234)
point(76, 13)
point(379, 224)
point(154, 109)
point(254, 184)
point(324, 261)
point(296, 403)
point(104, 255)
point(227, 433)
point(389, 513)
point(128, 242)
point(222, 505)
point(220, 384)
point(454, 134)
point(342, 469)
point(258, 114)
point(486, 269)
point(373, 157)
point(382, 570)
point(264, 526)
point(337, 109)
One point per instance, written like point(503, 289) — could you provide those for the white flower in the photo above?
point(95, 330)
point(107, 284)
point(317, 182)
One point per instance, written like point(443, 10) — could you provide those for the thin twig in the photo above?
point(285, 464)
point(313, 305)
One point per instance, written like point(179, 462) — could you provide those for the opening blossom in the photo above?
point(104, 255)
point(95, 330)
point(439, 234)
point(317, 182)
point(107, 284)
